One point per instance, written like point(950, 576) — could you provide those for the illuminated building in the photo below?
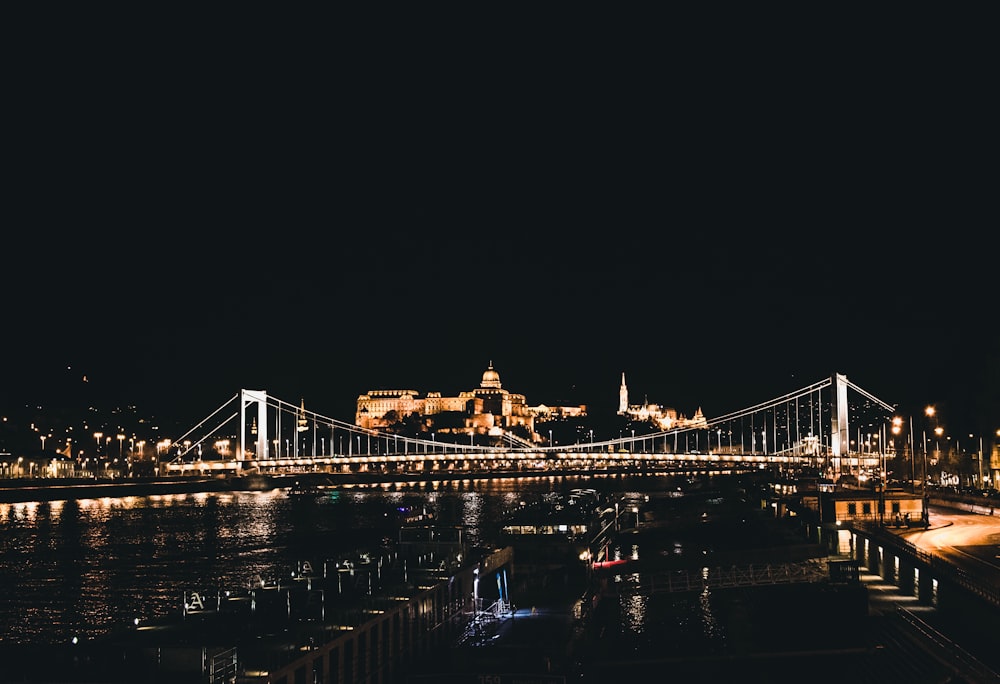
point(487, 409)
point(663, 417)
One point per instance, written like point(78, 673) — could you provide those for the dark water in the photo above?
point(85, 568)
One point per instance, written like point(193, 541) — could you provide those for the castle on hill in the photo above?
point(486, 410)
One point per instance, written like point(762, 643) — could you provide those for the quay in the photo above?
point(57, 489)
point(371, 618)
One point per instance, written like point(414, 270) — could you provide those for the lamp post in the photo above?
point(475, 593)
point(930, 412)
point(97, 440)
point(980, 481)
point(937, 444)
point(897, 427)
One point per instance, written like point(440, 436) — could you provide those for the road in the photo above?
point(970, 541)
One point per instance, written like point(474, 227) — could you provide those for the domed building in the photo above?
point(485, 410)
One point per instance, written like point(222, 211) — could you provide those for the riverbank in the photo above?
point(23, 491)
point(51, 489)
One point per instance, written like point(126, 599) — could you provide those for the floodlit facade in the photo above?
point(663, 417)
point(485, 410)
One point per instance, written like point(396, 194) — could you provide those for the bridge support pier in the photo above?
point(906, 581)
point(927, 589)
point(890, 571)
point(874, 559)
point(859, 548)
point(911, 578)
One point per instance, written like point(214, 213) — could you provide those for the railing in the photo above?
point(986, 591)
point(223, 667)
point(814, 570)
point(949, 648)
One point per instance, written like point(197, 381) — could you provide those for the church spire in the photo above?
point(303, 424)
point(623, 397)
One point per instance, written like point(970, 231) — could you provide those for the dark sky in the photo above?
point(723, 223)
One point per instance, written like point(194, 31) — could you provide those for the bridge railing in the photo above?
point(814, 570)
point(978, 586)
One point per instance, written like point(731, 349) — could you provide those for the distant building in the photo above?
point(487, 409)
point(663, 417)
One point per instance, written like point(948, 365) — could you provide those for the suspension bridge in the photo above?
point(832, 425)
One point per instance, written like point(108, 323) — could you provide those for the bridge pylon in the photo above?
point(260, 398)
point(838, 416)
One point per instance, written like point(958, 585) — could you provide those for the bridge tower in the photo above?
point(258, 397)
point(839, 442)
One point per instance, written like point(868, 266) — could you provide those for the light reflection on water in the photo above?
point(669, 625)
point(84, 567)
point(709, 624)
point(634, 613)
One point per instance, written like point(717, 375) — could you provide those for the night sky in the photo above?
point(723, 227)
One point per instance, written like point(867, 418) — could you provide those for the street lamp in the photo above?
point(475, 593)
point(897, 428)
point(121, 445)
point(97, 439)
point(931, 412)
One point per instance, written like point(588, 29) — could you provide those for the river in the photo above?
point(83, 568)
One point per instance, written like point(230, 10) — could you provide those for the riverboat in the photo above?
point(557, 516)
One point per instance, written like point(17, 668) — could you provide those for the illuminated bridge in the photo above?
point(833, 425)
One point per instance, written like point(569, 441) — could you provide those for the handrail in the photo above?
point(718, 577)
point(953, 650)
